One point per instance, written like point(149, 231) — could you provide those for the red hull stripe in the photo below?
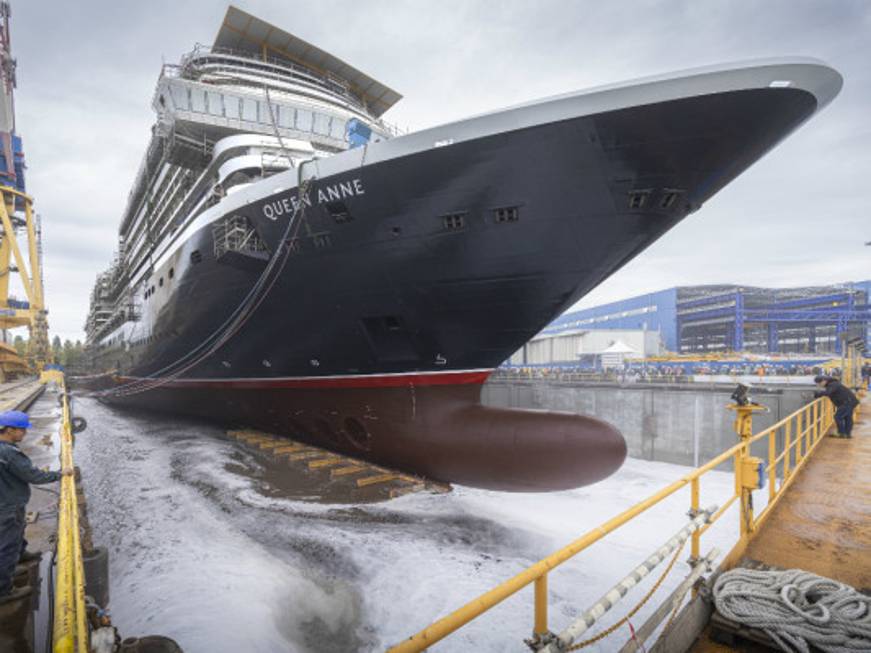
point(362, 381)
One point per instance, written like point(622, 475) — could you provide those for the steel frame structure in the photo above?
point(843, 309)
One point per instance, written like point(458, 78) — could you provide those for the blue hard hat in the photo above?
point(15, 418)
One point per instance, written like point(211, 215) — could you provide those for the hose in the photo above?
point(237, 318)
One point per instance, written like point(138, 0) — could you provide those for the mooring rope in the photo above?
point(797, 609)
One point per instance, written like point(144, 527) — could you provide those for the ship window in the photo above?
point(668, 198)
point(232, 107)
point(339, 212)
point(638, 198)
point(198, 100)
point(303, 120)
point(179, 97)
point(152, 290)
point(286, 117)
point(196, 256)
point(338, 129)
point(171, 272)
point(321, 241)
point(216, 105)
point(506, 214)
point(160, 283)
point(322, 124)
point(454, 221)
point(249, 109)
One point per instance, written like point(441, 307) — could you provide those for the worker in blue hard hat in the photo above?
point(17, 472)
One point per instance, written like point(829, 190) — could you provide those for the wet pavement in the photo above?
point(822, 523)
point(224, 549)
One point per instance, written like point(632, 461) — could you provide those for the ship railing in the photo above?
point(324, 80)
point(70, 627)
point(789, 444)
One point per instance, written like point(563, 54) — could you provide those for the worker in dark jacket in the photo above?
point(844, 400)
point(16, 475)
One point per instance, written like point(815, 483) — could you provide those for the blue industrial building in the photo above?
point(724, 318)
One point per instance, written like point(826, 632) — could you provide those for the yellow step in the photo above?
point(372, 480)
point(244, 434)
point(254, 439)
point(304, 454)
point(327, 462)
point(289, 448)
point(350, 469)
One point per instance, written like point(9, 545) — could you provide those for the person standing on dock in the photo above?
point(844, 400)
point(17, 472)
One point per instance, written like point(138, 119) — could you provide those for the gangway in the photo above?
point(817, 508)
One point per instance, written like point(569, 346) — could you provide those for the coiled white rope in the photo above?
point(797, 609)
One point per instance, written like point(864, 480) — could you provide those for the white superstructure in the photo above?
point(255, 104)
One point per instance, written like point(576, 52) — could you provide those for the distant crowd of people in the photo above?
point(675, 373)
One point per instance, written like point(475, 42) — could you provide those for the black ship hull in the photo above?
point(411, 278)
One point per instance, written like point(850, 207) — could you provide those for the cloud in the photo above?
point(87, 72)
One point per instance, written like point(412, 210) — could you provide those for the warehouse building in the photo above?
point(711, 319)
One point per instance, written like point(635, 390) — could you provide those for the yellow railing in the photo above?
point(799, 433)
point(70, 630)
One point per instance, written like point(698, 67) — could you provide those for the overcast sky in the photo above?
point(87, 69)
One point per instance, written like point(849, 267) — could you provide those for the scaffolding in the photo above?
point(237, 234)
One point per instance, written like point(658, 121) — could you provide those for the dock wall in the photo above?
point(681, 424)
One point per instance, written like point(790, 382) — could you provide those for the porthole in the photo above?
point(357, 434)
point(171, 272)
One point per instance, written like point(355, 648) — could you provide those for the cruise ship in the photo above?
point(288, 261)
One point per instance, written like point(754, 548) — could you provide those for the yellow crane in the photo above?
point(17, 220)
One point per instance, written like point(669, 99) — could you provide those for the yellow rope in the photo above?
point(632, 612)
